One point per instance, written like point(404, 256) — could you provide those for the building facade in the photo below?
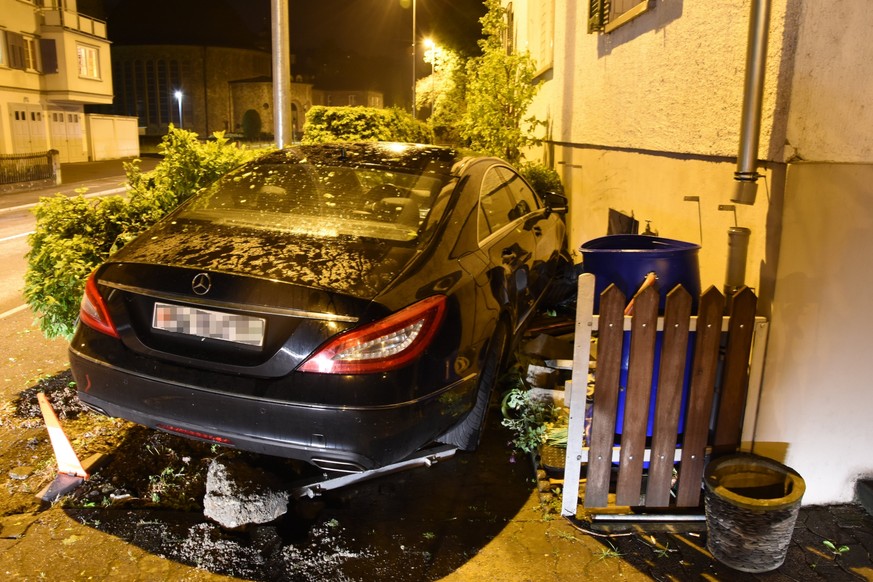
point(210, 88)
point(53, 62)
point(644, 112)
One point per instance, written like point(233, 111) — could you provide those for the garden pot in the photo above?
point(752, 504)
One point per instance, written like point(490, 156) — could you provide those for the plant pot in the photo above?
point(751, 506)
point(553, 457)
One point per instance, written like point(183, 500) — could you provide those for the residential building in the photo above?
point(53, 62)
point(645, 110)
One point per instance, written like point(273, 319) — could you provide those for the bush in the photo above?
point(542, 178)
point(331, 124)
point(74, 235)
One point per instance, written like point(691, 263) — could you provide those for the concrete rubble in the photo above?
point(238, 494)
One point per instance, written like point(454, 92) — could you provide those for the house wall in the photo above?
point(644, 116)
point(111, 137)
point(816, 397)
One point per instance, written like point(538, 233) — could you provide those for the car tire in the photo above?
point(467, 434)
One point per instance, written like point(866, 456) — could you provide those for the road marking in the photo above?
point(15, 236)
point(13, 311)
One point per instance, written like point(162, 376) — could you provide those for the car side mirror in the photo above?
point(555, 202)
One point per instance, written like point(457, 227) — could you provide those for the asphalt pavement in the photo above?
point(520, 540)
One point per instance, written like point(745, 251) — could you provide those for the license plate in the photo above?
point(216, 325)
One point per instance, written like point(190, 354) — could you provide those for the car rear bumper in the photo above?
point(330, 437)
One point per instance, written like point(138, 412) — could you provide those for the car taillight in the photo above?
point(383, 345)
point(93, 312)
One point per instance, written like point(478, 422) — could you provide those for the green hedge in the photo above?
point(542, 178)
point(331, 124)
point(73, 235)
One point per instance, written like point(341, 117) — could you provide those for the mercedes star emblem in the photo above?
point(201, 283)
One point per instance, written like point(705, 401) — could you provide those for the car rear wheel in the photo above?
point(467, 433)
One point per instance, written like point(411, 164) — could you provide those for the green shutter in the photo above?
point(597, 10)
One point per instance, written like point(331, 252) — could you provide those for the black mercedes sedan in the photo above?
point(343, 304)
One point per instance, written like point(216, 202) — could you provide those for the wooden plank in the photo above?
point(668, 401)
point(578, 393)
point(703, 372)
point(736, 373)
point(753, 393)
point(637, 397)
point(612, 303)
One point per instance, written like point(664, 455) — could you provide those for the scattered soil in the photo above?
point(149, 488)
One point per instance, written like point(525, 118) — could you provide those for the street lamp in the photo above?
point(178, 95)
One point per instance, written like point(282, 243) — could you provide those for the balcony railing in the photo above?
point(74, 21)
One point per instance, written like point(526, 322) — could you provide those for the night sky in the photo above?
point(369, 27)
point(341, 44)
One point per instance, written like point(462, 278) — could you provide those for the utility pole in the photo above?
point(413, 57)
point(281, 73)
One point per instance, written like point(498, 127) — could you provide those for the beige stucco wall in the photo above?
point(816, 398)
point(653, 188)
point(830, 116)
point(644, 116)
point(649, 114)
point(671, 80)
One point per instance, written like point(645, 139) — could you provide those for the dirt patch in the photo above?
point(149, 492)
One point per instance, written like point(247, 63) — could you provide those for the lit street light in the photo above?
point(179, 99)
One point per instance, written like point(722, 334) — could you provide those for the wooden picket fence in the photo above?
point(632, 470)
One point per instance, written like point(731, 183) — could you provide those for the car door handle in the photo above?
point(508, 255)
point(537, 231)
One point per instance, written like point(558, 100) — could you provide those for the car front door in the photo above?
point(507, 238)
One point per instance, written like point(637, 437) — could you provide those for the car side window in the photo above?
point(497, 207)
point(525, 199)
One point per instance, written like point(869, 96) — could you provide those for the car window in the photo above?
point(323, 200)
point(495, 202)
point(525, 199)
point(505, 197)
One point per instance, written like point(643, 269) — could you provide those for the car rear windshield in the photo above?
point(315, 199)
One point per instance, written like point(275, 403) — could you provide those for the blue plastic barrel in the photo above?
point(626, 260)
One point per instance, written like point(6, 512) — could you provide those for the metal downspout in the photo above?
point(747, 175)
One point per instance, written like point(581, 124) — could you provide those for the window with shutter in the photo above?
point(607, 15)
point(541, 26)
point(49, 55)
point(15, 44)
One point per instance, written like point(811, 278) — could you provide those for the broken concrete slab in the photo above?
point(238, 494)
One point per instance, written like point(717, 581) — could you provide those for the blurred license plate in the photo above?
point(216, 325)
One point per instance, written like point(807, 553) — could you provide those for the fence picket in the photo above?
point(637, 397)
point(610, 335)
point(671, 376)
point(736, 372)
point(700, 397)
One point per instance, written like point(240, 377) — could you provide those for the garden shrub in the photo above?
point(73, 235)
point(542, 178)
point(331, 124)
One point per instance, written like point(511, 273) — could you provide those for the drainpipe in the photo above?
point(747, 175)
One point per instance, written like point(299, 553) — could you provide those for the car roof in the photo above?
point(416, 158)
